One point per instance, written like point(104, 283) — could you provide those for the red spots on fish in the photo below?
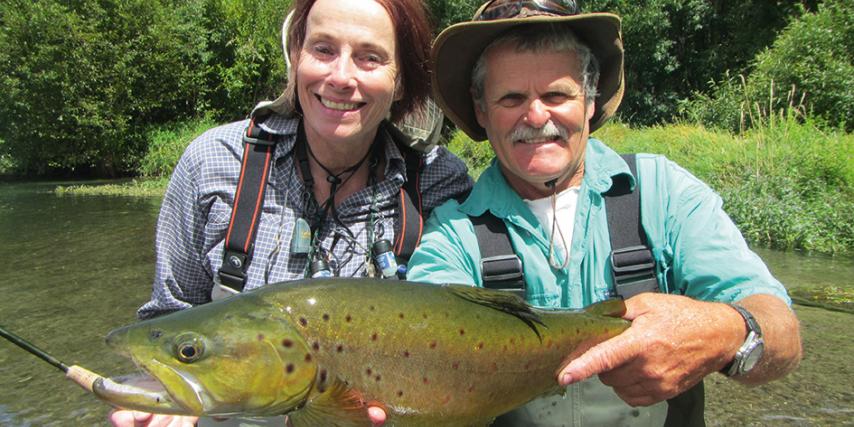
point(289, 368)
point(308, 357)
point(372, 308)
point(286, 343)
point(425, 380)
point(432, 344)
point(303, 321)
point(479, 346)
point(374, 336)
point(455, 365)
point(325, 317)
point(400, 393)
point(400, 315)
point(424, 315)
point(260, 337)
point(339, 348)
point(405, 353)
point(471, 388)
point(315, 346)
point(369, 372)
point(447, 399)
point(323, 376)
point(378, 377)
point(348, 318)
point(462, 331)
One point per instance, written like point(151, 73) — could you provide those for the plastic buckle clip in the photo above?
point(633, 271)
point(256, 136)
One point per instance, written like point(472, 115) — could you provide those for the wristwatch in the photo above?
point(750, 352)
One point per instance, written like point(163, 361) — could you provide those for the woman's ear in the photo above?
point(398, 88)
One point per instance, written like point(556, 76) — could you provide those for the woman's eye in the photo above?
point(323, 50)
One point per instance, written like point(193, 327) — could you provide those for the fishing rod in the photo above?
point(81, 376)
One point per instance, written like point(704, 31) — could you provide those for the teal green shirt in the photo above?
point(698, 249)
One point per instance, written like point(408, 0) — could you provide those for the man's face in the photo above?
point(536, 119)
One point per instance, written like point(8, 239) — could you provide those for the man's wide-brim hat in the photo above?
point(458, 47)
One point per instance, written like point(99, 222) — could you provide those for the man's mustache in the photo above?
point(550, 130)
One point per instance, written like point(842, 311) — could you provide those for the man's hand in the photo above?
point(674, 342)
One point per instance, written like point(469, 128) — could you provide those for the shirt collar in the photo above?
point(287, 127)
point(492, 192)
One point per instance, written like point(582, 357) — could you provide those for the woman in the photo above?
point(336, 171)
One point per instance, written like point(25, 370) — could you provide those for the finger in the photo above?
point(602, 357)
point(377, 415)
point(141, 419)
point(121, 418)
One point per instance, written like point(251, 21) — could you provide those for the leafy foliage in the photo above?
point(808, 70)
point(675, 47)
point(83, 81)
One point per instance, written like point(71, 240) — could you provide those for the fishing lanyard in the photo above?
point(317, 259)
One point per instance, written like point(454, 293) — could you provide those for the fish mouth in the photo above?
point(148, 391)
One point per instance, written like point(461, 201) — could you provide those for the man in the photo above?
point(535, 78)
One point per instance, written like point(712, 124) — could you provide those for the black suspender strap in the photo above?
point(632, 263)
point(500, 267)
point(258, 147)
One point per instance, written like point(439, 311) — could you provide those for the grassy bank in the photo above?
point(788, 185)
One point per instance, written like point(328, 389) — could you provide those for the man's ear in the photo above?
point(591, 110)
point(479, 114)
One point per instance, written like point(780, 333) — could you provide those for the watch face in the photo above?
point(752, 357)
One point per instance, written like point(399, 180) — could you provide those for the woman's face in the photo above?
point(346, 70)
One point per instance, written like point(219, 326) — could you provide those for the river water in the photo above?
point(74, 267)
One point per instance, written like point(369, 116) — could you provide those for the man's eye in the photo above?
point(509, 101)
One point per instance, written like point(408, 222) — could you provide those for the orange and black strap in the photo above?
point(258, 147)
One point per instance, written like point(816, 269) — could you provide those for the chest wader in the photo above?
point(633, 272)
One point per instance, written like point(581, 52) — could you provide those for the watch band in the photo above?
point(754, 335)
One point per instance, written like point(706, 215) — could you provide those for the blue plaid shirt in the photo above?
point(196, 210)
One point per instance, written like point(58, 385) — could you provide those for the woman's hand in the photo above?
point(126, 418)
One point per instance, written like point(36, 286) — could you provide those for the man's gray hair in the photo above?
point(551, 37)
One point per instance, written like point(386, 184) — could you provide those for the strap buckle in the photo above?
point(232, 272)
point(633, 271)
point(256, 136)
point(503, 272)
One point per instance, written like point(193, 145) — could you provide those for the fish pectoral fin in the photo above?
point(338, 406)
point(614, 307)
point(501, 301)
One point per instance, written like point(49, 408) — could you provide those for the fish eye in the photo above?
point(189, 348)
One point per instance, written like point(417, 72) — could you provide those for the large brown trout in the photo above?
point(323, 350)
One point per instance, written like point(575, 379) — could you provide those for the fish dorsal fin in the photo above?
point(499, 300)
point(337, 406)
point(614, 307)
